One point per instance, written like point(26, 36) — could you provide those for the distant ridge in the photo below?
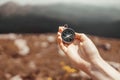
point(69, 12)
point(44, 19)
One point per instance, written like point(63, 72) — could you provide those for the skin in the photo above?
point(83, 53)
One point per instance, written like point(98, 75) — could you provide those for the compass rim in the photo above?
point(73, 35)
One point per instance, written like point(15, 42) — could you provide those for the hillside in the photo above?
point(100, 21)
point(39, 57)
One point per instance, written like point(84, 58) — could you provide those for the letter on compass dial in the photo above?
point(68, 35)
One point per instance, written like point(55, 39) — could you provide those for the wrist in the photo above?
point(106, 71)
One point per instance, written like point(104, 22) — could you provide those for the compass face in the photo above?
point(68, 35)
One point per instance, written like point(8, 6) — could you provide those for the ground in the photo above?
point(42, 60)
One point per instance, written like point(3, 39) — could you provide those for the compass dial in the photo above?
point(68, 35)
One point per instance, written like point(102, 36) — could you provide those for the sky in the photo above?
point(105, 3)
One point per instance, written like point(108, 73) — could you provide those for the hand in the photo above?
point(81, 51)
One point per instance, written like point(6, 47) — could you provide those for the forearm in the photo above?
point(101, 70)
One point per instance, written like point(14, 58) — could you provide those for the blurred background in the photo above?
point(100, 18)
point(28, 47)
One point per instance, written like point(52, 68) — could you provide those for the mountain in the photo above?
point(69, 12)
point(101, 21)
point(11, 9)
point(79, 12)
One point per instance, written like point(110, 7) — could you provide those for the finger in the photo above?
point(58, 34)
point(60, 43)
point(61, 28)
point(82, 53)
point(78, 36)
point(81, 36)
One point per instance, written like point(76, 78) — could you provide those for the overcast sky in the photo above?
point(107, 3)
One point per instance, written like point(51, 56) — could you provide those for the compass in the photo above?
point(68, 35)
